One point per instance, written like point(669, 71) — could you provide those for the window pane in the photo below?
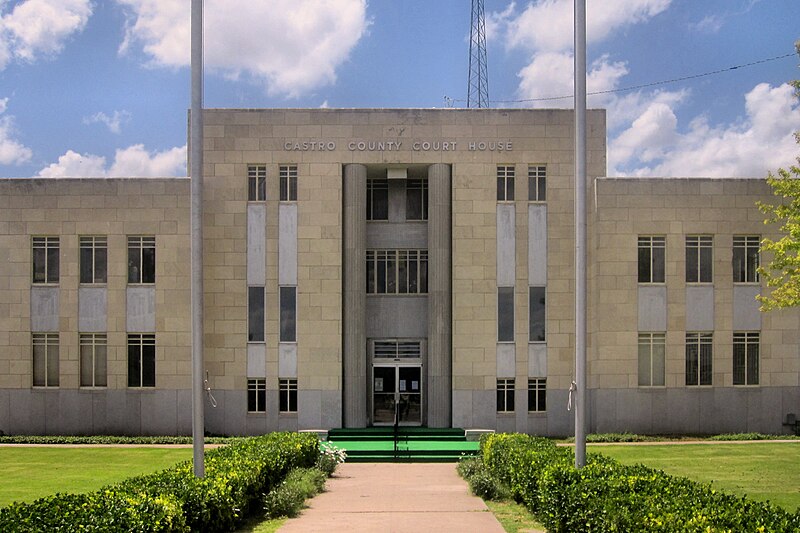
point(752, 364)
point(705, 362)
point(414, 203)
point(148, 365)
point(101, 371)
point(501, 188)
point(87, 365)
point(691, 362)
point(542, 189)
point(505, 314)
point(134, 264)
point(288, 306)
point(658, 364)
point(134, 365)
point(658, 264)
point(100, 264)
point(86, 264)
point(706, 261)
point(380, 203)
point(149, 265)
point(52, 264)
point(692, 274)
point(39, 265)
point(293, 188)
point(738, 362)
point(752, 264)
point(39, 363)
point(739, 264)
point(644, 264)
point(537, 309)
point(370, 274)
point(255, 314)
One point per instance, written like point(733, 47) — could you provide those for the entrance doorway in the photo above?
point(396, 392)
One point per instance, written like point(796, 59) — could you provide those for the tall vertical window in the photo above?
point(287, 395)
point(537, 183)
point(288, 183)
point(257, 395)
point(255, 314)
point(505, 183)
point(141, 259)
point(417, 199)
point(651, 359)
point(256, 183)
point(537, 314)
point(745, 357)
point(141, 360)
point(699, 258)
point(537, 395)
point(45, 359)
point(505, 395)
point(377, 199)
point(397, 271)
point(505, 314)
point(651, 259)
point(94, 259)
point(288, 304)
point(94, 357)
point(699, 351)
point(745, 258)
point(45, 259)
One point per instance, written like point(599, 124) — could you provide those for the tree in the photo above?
point(782, 273)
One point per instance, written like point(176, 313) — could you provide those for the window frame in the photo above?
point(421, 185)
point(533, 317)
point(49, 247)
point(256, 326)
point(141, 243)
point(505, 395)
point(93, 248)
point(377, 198)
point(505, 183)
point(256, 182)
point(287, 177)
point(288, 313)
point(747, 244)
point(256, 395)
point(93, 342)
point(51, 343)
point(287, 396)
point(650, 244)
point(506, 328)
point(537, 183)
point(750, 343)
point(699, 358)
point(701, 247)
point(146, 359)
point(401, 268)
point(537, 394)
point(653, 339)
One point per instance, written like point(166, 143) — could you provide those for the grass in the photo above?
point(34, 472)
point(513, 516)
point(759, 470)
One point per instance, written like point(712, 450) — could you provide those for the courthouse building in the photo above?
point(366, 264)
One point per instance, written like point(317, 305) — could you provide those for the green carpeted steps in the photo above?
point(414, 444)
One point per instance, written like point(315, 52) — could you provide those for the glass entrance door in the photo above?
point(396, 392)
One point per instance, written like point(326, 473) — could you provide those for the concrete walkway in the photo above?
point(392, 497)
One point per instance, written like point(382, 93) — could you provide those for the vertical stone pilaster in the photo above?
point(354, 353)
point(440, 317)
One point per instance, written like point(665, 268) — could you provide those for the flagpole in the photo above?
point(196, 166)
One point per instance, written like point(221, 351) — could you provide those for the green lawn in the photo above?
point(32, 472)
point(761, 470)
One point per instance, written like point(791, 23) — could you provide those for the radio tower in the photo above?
point(478, 87)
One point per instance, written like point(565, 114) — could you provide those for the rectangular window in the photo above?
point(45, 359)
point(377, 199)
point(745, 357)
point(141, 259)
point(505, 183)
point(94, 259)
point(288, 182)
point(395, 349)
point(537, 395)
point(397, 271)
point(537, 313)
point(505, 314)
point(699, 258)
point(256, 183)
point(94, 356)
point(651, 359)
point(699, 352)
point(141, 360)
point(45, 259)
point(288, 303)
point(287, 395)
point(257, 395)
point(745, 258)
point(255, 314)
point(537, 183)
point(505, 395)
point(417, 199)
point(651, 259)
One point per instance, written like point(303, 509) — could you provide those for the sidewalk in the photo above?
point(392, 497)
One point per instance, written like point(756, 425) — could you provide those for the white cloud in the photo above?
point(291, 46)
point(12, 152)
point(133, 161)
point(113, 122)
point(36, 28)
point(762, 141)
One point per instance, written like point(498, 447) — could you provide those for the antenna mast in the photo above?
point(478, 86)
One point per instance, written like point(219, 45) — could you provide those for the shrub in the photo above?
point(329, 458)
point(287, 499)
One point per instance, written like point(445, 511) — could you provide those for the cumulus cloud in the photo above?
point(290, 46)
point(134, 161)
point(113, 122)
point(40, 28)
point(762, 141)
point(12, 152)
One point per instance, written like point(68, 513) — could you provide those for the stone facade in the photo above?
point(294, 340)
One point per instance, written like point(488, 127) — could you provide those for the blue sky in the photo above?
point(101, 87)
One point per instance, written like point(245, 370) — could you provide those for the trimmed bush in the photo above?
point(174, 499)
point(287, 499)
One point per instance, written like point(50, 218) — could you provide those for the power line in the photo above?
point(642, 86)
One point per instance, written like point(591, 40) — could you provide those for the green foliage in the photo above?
point(287, 498)
point(174, 499)
point(329, 458)
point(752, 436)
point(105, 439)
point(610, 497)
point(783, 271)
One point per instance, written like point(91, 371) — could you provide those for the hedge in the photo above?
point(106, 439)
point(236, 478)
point(606, 496)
